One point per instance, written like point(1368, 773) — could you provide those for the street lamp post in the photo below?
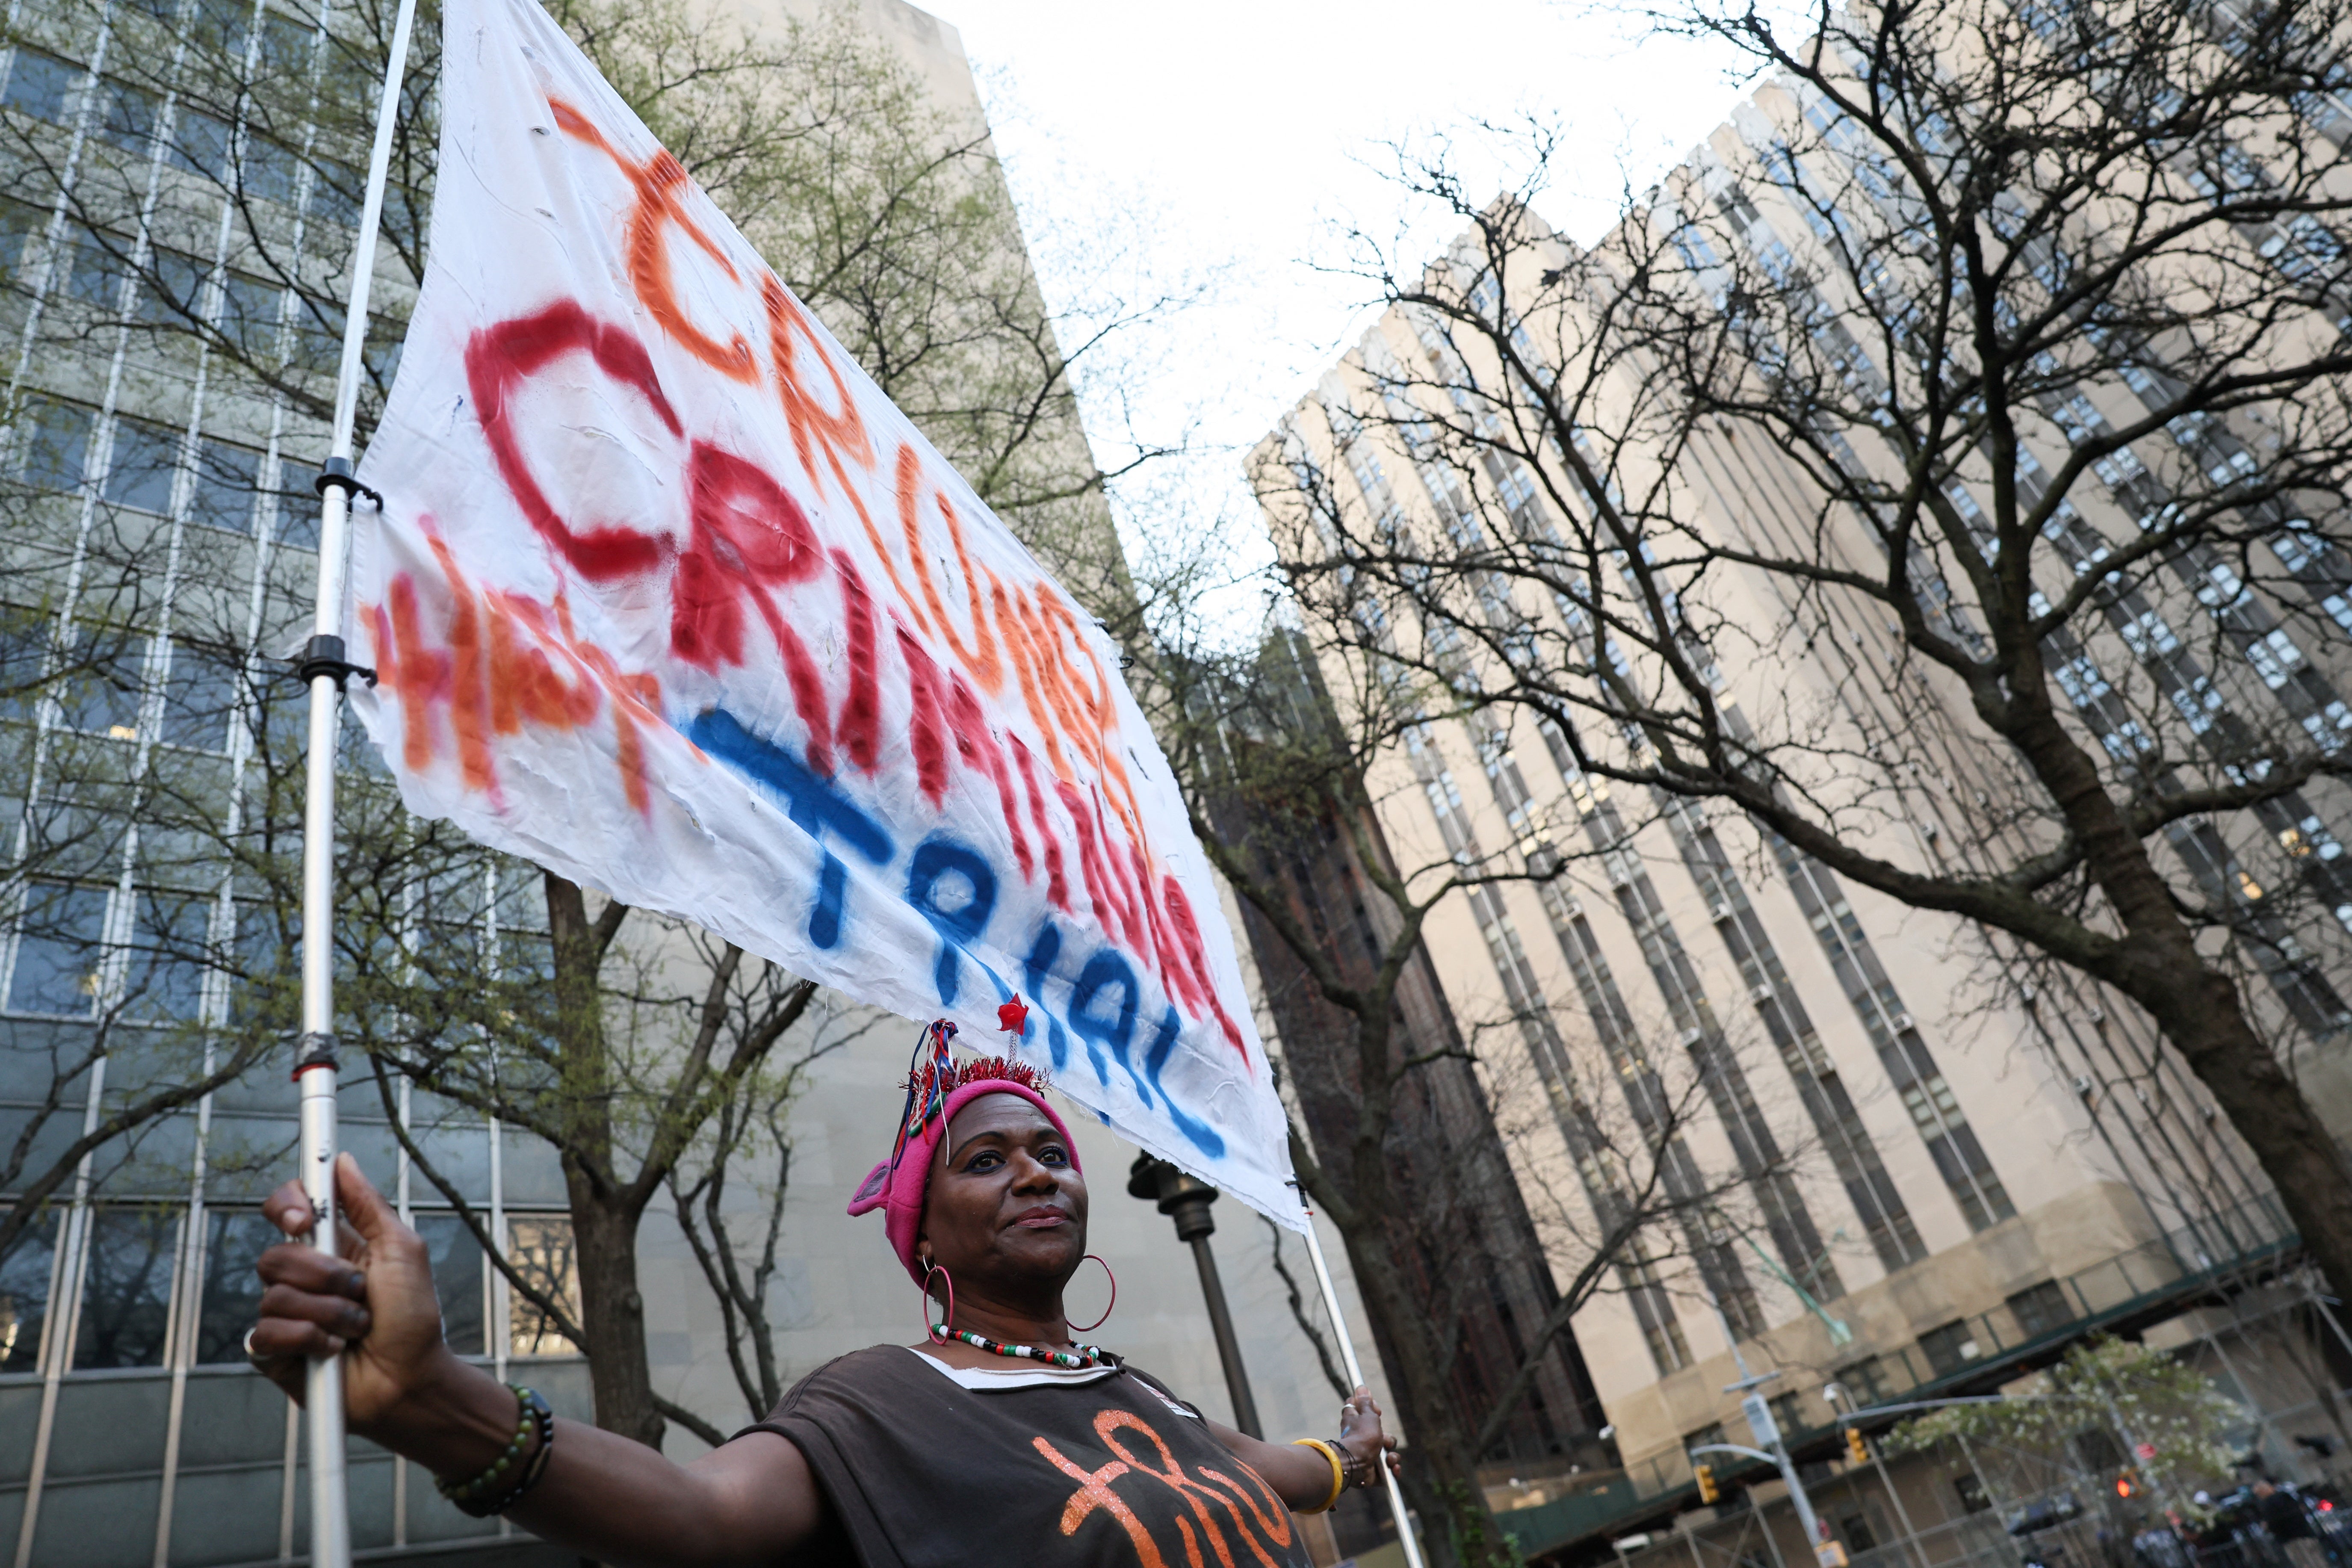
point(1186, 1199)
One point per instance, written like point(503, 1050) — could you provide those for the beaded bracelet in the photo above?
point(1338, 1482)
point(478, 1498)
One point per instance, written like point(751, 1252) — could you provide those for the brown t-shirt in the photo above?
point(1113, 1472)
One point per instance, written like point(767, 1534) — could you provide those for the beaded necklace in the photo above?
point(1088, 1355)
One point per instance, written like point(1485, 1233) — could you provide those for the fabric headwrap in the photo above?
point(935, 1092)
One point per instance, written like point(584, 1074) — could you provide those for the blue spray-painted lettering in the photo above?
point(1034, 971)
point(812, 803)
point(1204, 1136)
point(1103, 971)
point(940, 864)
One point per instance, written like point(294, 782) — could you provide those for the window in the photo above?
point(38, 85)
point(262, 978)
point(541, 1248)
point(337, 189)
point(139, 473)
point(126, 116)
point(224, 486)
point(2327, 726)
point(272, 172)
point(199, 698)
point(2041, 1308)
point(2224, 587)
point(96, 266)
point(221, 28)
point(248, 318)
point(1788, 1413)
point(382, 356)
point(57, 948)
point(2274, 658)
point(1867, 1382)
point(167, 960)
point(297, 503)
point(1856, 1526)
point(1949, 1348)
point(235, 1240)
point(318, 335)
point(126, 1294)
point(286, 47)
point(200, 144)
point(457, 1279)
point(2149, 635)
point(98, 688)
point(25, 1294)
point(57, 440)
point(171, 294)
point(24, 637)
point(2119, 467)
point(18, 224)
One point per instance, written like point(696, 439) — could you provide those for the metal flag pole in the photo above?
point(323, 668)
point(1356, 1379)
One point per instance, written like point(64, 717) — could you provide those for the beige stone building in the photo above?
point(1935, 1176)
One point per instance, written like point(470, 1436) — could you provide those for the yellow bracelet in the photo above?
point(1338, 1471)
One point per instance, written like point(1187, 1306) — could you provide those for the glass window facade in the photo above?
point(132, 1429)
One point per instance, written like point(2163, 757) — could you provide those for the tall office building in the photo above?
point(1885, 1168)
point(179, 188)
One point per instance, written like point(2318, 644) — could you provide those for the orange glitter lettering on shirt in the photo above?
point(1111, 1422)
point(1094, 1492)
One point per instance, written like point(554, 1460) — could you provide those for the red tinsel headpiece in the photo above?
point(937, 1085)
point(940, 1075)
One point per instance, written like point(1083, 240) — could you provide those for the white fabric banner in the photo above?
point(667, 596)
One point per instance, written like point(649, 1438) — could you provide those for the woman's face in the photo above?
point(1006, 1204)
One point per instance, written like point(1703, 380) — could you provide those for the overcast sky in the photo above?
point(1228, 143)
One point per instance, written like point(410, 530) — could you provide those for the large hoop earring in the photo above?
point(931, 1329)
point(1098, 1322)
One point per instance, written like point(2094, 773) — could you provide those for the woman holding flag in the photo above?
point(1000, 1438)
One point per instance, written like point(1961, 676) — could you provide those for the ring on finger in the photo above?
point(250, 1354)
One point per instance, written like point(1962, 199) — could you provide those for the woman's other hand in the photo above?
point(606, 1496)
point(1367, 1444)
point(373, 1304)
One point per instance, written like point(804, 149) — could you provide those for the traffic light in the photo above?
point(2127, 1483)
point(1856, 1451)
point(1708, 1492)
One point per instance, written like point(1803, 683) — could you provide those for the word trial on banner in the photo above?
point(667, 596)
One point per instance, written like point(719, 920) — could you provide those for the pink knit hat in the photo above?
point(900, 1186)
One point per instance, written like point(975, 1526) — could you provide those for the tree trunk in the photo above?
point(1441, 1471)
point(2200, 1011)
point(604, 1215)
point(2197, 1005)
point(612, 1311)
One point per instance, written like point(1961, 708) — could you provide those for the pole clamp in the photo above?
point(336, 476)
point(324, 656)
point(313, 1050)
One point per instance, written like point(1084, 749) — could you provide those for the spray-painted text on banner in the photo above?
point(666, 595)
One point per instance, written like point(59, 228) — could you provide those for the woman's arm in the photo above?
point(1301, 1475)
point(750, 1501)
